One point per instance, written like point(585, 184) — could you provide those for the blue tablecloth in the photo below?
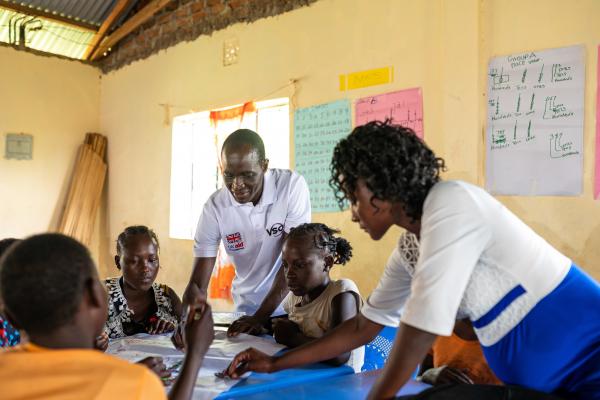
point(267, 383)
point(345, 387)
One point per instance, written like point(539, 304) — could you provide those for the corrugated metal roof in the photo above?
point(91, 11)
point(51, 37)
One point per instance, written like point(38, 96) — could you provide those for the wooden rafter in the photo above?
point(130, 25)
point(47, 15)
point(116, 12)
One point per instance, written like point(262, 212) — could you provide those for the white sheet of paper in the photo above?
point(535, 123)
point(219, 355)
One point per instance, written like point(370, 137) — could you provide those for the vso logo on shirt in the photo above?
point(275, 230)
point(234, 241)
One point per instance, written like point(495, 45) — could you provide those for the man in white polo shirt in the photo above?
point(251, 216)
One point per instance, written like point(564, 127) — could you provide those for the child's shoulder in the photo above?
point(344, 285)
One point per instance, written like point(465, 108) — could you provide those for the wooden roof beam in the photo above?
point(47, 15)
point(129, 26)
point(116, 12)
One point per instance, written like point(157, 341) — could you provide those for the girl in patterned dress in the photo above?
point(137, 304)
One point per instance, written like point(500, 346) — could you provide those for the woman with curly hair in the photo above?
point(477, 260)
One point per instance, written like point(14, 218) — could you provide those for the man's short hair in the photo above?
point(245, 137)
point(42, 280)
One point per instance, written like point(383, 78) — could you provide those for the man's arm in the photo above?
point(197, 288)
point(253, 324)
point(196, 291)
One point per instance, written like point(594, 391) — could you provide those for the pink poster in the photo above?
point(597, 169)
point(404, 107)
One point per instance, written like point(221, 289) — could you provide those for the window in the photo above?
point(196, 143)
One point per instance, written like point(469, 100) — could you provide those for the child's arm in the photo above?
point(288, 333)
point(344, 306)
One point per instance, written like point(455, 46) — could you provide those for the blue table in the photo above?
point(346, 387)
point(266, 384)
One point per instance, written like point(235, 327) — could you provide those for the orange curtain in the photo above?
point(232, 113)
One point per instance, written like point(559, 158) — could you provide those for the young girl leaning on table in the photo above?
point(316, 303)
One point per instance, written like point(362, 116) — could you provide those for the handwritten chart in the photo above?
point(535, 123)
point(404, 107)
point(317, 130)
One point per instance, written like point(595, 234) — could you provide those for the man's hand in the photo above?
point(284, 331)
point(250, 324)
point(194, 297)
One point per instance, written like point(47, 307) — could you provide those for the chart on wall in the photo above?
point(404, 107)
point(535, 123)
point(317, 129)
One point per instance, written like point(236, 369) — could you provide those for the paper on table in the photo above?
point(224, 347)
point(219, 355)
point(226, 318)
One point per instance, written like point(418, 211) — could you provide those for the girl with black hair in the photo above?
point(477, 260)
point(316, 304)
point(136, 303)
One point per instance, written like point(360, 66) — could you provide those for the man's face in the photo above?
point(243, 173)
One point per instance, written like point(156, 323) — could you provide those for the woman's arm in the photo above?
point(410, 347)
point(349, 335)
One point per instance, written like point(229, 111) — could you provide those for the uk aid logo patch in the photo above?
point(234, 242)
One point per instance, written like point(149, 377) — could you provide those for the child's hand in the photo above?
point(156, 365)
point(284, 330)
point(101, 342)
point(199, 330)
point(158, 326)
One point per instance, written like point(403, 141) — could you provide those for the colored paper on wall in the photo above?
point(317, 130)
point(372, 77)
point(404, 107)
point(597, 169)
point(535, 123)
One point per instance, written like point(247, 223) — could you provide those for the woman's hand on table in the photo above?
point(249, 360)
point(159, 326)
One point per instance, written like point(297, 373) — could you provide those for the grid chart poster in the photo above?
point(317, 130)
point(404, 107)
point(535, 123)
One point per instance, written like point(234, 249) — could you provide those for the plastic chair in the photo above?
point(378, 351)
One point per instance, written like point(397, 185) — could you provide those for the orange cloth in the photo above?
point(33, 372)
point(465, 355)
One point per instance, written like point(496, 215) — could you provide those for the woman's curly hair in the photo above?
point(394, 163)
